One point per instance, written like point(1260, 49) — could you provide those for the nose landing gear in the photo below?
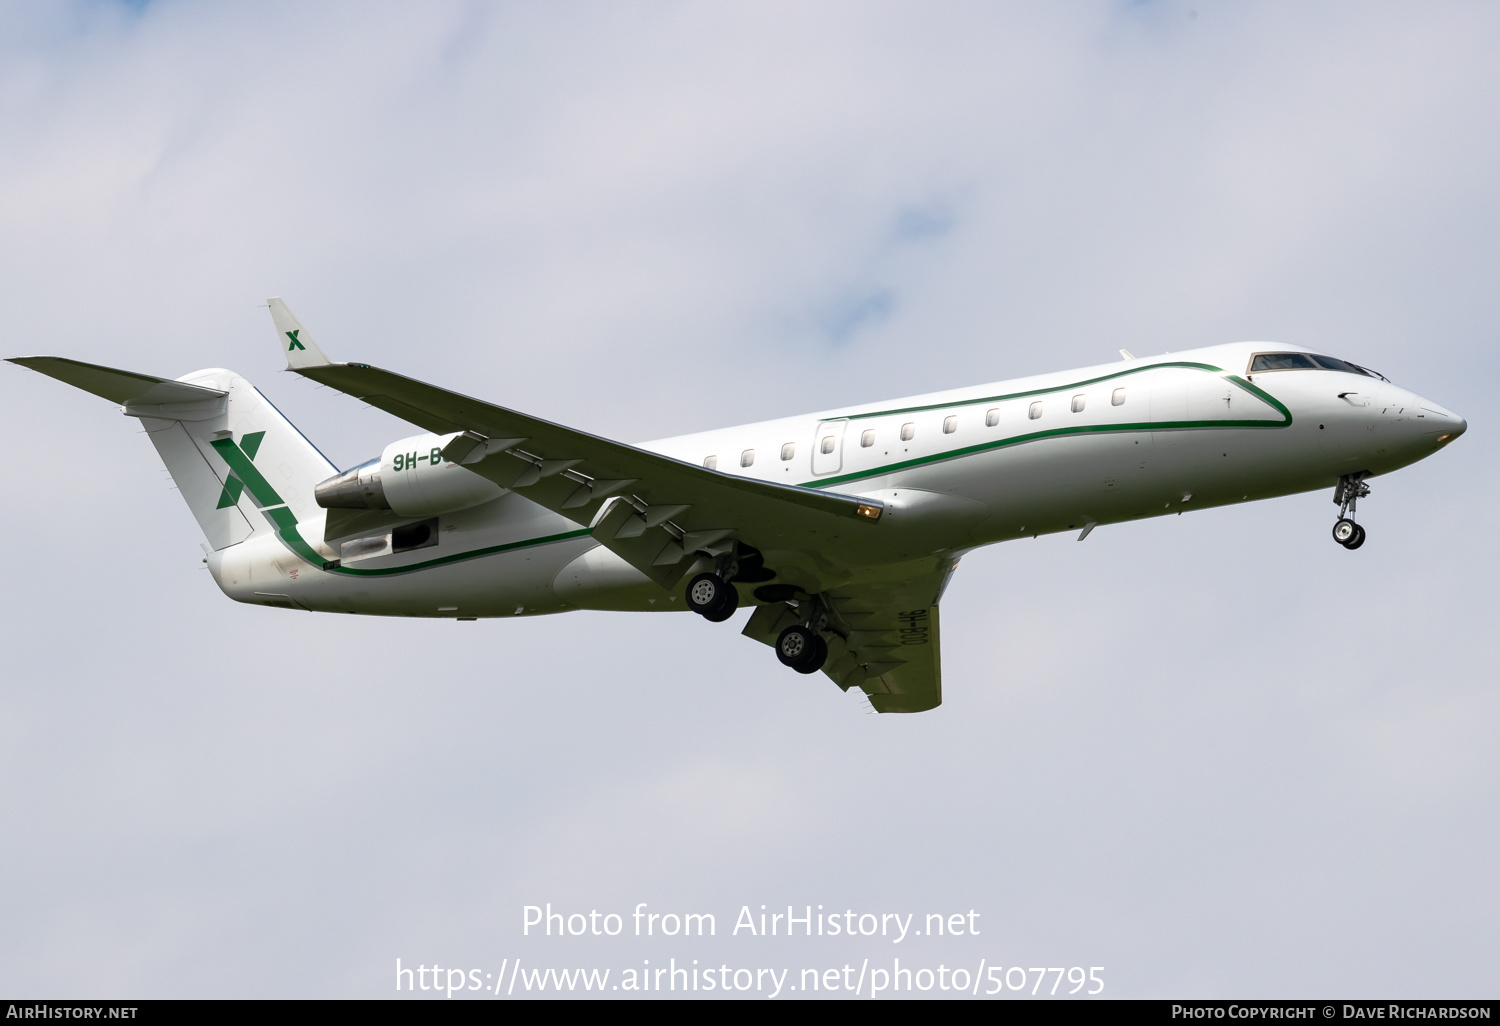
point(1351, 488)
point(1348, 534)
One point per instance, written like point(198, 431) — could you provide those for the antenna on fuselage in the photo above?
point(1126, 354)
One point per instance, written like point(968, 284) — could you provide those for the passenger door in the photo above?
point(1169, 404)
point(1186, 403)
point(828, 447)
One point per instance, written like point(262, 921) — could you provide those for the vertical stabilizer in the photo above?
point(263, 467)
point(242, 468)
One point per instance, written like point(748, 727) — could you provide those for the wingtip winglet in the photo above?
point(297, 345)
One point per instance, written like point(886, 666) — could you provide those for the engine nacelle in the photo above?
point(411, 478)
point(418, 482)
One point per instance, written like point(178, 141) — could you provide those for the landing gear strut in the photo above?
point(1350, 490)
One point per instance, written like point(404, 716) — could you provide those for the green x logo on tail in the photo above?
point(233, 486)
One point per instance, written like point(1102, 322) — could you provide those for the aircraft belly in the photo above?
point(599, 579)
point(507, 583)
point(518, 582)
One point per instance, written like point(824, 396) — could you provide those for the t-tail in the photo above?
point(242, 468)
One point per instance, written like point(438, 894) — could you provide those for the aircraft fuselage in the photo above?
point(954, 470)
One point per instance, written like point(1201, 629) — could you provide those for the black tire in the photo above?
point(705, 593)
point(816, 659)
point(1357, 540)
point(727, 605)
point(796, 645)
point(1344, 531)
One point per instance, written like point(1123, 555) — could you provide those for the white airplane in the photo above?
point(842, 528)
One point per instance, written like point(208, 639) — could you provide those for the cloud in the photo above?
point(1211, 752)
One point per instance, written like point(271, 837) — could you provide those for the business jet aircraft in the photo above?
point(841, 528)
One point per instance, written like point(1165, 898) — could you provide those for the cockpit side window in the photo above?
point(1281, 361)
point(1329, 363)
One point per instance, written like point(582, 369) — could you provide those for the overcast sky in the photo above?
point(1217, 755)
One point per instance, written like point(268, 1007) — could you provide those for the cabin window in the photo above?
point(867, 439)
point(826, 445)
point(787, 451)
point(1035, 413)
point(1117, 397)
point(1078, 401)
point(950, 425)
point(992, 418)
point(711, 462)
point(747, 457)
point(908, 430)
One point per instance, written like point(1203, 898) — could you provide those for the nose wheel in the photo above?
point(1348, 534)
point(1350, 490)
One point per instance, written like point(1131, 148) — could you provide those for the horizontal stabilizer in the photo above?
point(118, 386)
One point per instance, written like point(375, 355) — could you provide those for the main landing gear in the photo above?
point(802, 648)
point(1350, 490)
point(713, 597)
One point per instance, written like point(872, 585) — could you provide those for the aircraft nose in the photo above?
point(1443, 423)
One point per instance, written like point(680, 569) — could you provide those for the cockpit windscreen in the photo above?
point(1306, 361)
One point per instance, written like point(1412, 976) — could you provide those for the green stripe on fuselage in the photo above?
point(286, 522)
point(1001, 443)
point(428, 564)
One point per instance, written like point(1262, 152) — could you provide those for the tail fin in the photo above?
point(242, 467)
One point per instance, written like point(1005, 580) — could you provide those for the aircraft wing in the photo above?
point(671, 511)
point(883, 637)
